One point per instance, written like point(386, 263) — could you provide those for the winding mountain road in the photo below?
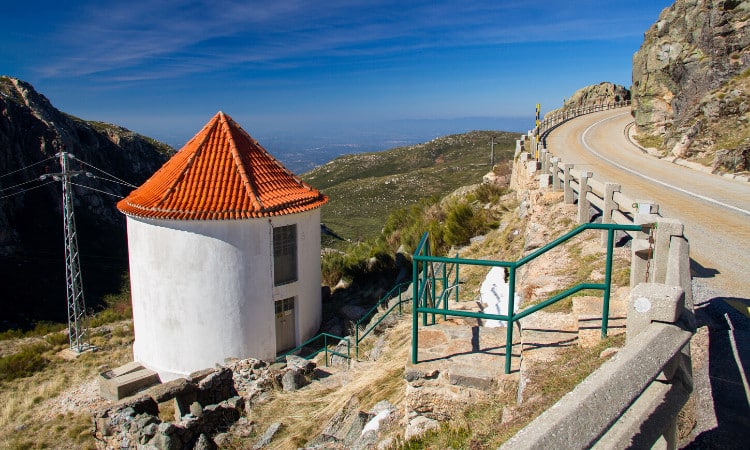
point(715, 210)
point(716, 214)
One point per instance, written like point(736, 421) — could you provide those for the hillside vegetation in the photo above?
point(364, 188)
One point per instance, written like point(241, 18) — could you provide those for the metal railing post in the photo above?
point(356, 340)
point(457, 267)
point(511, 315)
point(433, 290)
point(607, 281)
point(414, 313)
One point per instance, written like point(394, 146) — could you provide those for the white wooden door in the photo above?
point(284, 324)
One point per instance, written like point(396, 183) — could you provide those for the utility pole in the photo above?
point(73, 280)
point(492, 152)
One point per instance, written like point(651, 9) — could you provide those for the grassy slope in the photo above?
point(364, 188)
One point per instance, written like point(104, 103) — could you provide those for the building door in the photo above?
point(284, 324)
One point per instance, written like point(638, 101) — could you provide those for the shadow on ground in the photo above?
point(728, 362)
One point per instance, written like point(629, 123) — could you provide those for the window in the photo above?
point(284, 254)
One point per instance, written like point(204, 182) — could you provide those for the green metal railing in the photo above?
point(324, 348)
point(424, 285)
point(396, 290)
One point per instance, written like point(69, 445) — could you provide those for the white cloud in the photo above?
point(157, 39)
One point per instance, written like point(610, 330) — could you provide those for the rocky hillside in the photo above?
point(32, 262)
point(595, 94)
point(365, 187)
point(690, 80)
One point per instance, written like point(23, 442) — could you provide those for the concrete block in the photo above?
point(646, 207)
point(125, 381)
point(653, 302)
point(545, 181)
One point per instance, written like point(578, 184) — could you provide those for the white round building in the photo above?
point(224, 247)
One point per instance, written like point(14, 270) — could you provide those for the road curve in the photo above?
point(715, 210)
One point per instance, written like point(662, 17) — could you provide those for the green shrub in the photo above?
point(40, 329)
point(57, 339)
point(487, 193)
point(24, 363)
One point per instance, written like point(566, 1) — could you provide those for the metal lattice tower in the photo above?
point(73, 280)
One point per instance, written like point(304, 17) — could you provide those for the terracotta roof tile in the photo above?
point(221, 173)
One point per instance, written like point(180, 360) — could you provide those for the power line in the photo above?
point(27, 190)
point(124, 183)
point(26, 167)
point(19, 184)
point(94, 189)
point(121, 181)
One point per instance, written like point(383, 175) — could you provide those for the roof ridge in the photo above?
point(239, 164)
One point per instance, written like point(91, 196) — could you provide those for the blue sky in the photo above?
point(164, 68)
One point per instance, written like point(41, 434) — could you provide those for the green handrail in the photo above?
point(400, 287)
point(325, 337)
point(422, 254)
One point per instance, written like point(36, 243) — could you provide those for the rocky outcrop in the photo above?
point(690, 80)
point(595, 94)
point(32, 132)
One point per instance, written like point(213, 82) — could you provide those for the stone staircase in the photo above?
point(462, 362)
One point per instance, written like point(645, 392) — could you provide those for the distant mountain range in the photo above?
point(301, 151)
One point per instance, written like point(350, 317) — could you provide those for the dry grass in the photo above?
point(487, 426)
point(29, 415)
point(306, 412)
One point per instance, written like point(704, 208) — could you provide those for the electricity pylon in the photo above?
point(73, 279)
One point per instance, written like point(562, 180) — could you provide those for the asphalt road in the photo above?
point(716, 214)
point(715, 210)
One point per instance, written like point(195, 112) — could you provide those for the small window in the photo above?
point(285, 254)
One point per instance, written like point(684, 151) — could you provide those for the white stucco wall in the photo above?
point(203, 290)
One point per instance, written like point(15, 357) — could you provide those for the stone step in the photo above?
point(458, 366)
point(588, 313)
point(543, 334)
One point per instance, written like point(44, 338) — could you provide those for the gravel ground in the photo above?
point(80, 398)
point(721, 354)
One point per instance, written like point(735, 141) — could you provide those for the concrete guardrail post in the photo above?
point(583, 202)
point(567, 188)
point(665, 229)
point(543, 160)
point(656, 302)
point(556, 180)
point(642, 247)
point(609, 205)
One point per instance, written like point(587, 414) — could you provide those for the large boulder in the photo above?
point(691, 79)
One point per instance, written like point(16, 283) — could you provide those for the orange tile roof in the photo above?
point(222, 173)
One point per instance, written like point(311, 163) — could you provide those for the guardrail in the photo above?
point(651, 248)
point(551, 121)
point(633, 399)
point(427, 301)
